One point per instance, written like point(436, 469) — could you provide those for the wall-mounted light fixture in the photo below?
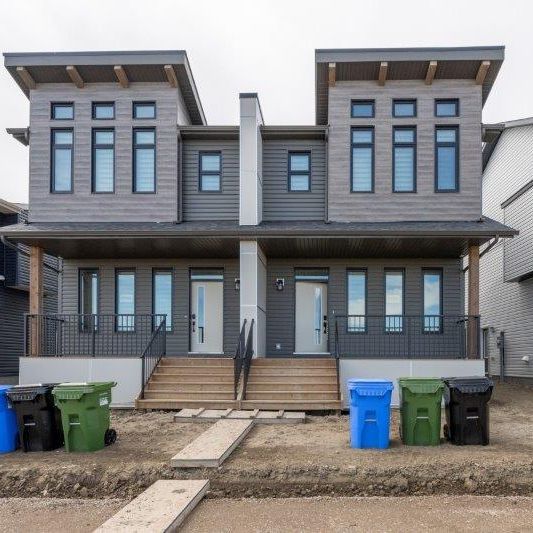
point(237, 284)
point(279, 284)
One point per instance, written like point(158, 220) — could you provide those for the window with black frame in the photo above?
point(125, 300)
point(210, 175)
point(103, 161)
point(62, 160)
point(88, 298)
point(404, 159)
point(299, 171)
point(446, 159)
point(356, 301)
point(144, 160)
point(162, 297)
point(432, 281)
point(362, 159)
point(394, 300)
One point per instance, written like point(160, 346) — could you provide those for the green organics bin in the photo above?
point(420, 410)
point(85, 415)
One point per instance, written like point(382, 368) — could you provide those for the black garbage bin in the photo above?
point(38, 419)
point(467, 410)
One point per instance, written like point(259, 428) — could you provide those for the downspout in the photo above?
point(180, 179)
point(9, 244)
point(326, 188)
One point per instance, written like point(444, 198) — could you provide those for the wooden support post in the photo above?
point(75, 76)
point(332, 74)
point(171, 75)
point(430, 74)
point(36, 298)
point(482, 72)
point(382, 76)
point(473, 301)
point(26, 77)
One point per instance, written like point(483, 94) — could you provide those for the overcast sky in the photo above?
point(257, 46)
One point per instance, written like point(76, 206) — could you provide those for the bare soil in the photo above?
point(312, 459)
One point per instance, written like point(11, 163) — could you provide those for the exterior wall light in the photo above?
point(279, 284)
point(237, 284)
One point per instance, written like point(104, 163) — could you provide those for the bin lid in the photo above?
point(5, 388)
point(74, 391)
point(21, 393)
point(370, 387)
point(421, 385)
point(469, 384)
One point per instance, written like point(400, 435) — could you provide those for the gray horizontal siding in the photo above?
point(13, 305)
point(178, 339)
point(199, 205)
point(425, 204)
point(281, 304)
point(278, 202)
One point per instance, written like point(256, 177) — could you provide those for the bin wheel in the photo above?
point(110, 437)
point(446, 431)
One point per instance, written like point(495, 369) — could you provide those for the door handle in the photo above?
point(193, 322)
point(325, 325)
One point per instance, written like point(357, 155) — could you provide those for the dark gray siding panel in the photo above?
point(178, 339)
point(281, 304)
point(278, 203)
point(208, 205)
point(13, 305)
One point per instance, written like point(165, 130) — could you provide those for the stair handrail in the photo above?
point(248, 355)
point(337, 357)
point(153, 353)
point(238, 359)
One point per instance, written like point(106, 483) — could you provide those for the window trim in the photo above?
point(415, 158)
point(440, 272)
point(349, 271)
point(202, 172)
point(372, 145)
point(166, 270)
point(389, 270)
point(94, 147)
point(94, 105)
point(443, 100)
point(290, 172)
point(52, 160)
point(143, 103)
point(53, 105)
point(457, 157)
point(370, 101)
point(134, 158)
point(125, 270)
point(405, 101)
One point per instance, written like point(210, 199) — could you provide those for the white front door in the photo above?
point(311, 317)
point(207, 320)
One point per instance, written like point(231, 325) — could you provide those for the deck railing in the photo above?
point(407, 337)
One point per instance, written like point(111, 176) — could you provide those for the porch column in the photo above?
point(36, 298)
point(253, 274)
point(473, 300)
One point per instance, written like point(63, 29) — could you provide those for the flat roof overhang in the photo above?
point(278, 239)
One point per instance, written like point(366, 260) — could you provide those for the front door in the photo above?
point(311, 317)
point(207, 317)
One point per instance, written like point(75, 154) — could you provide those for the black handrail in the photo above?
point(238, 359)
point(153, 353)
point(248, 355)
point(337, 357)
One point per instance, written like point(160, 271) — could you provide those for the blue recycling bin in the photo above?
point(370, 401)
point(9, 434)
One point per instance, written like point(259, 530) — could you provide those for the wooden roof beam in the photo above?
point(482, 72)
point(171, 75)
point(382, 77)
point(25, 76)
point(430, 74)
point(332, 74)
point(121, 75)
point(75, 76)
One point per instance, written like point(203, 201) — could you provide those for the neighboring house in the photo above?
point(506, 271)
point(14, 287)
point(324, 249)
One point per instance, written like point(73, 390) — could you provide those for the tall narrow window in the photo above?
point(394, 304)
point(404, 159)
point(432, 280)
point(125, 299)
point(61, 164)
point(103, 160)
point(88, 298)
point(144, 160)
point(299, 171)
point(362, 161)
point(357, 301)
point(446, 159)
point(210, 172)
point(162, 297)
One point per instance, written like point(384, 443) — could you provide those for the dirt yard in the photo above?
point(312, 459)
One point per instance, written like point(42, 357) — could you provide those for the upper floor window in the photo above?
point(362, 160)
point(432, 281)
point(446, 159)
point(62, 160)
point(162, 296)
point(143, 109)
point(447, 108)
point(299, 171)
point(404, 108)
point(404, 159)
point(144, 162)
point(357, 301)
point(394, 300)
point(103, 160)
point(62, 111)
point(103, 110)
point(363, 108)
point(210, 172)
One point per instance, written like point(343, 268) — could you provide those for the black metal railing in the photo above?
point(407, 337)
point(153, 353)
point(238, 359)
point(103, 335)
point(248, 355)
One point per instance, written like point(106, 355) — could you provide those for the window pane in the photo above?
point(362, 136)
point(104, 169)
point(104, 137)
point(144, 170)
point(394, 301)
point(62, 137)
point(404, 109)
point(144, 110)
point(362, 109)
point(299, 162)
point(103, 111)
point(62, 169)
point(300, 182)
point(446, 167)
point(89, 292)
point(145, 137)
point(404, 158)
point(62, 111)
point(210, 162)
point(404, 135)
point(446, 135)
point(163, 296)
point(432, 301)
point(447, 108)
point(356, 301)
point(362, 169)
point(125, 304)
point(210, 182)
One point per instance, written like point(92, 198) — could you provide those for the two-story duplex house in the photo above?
point(326, 251)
